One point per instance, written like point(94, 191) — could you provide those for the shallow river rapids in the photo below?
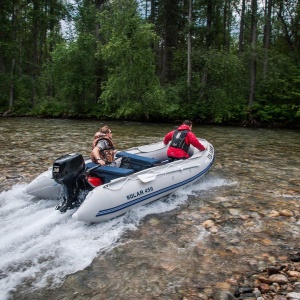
point(239, 218)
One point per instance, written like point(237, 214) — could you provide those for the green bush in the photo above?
point(285, 113)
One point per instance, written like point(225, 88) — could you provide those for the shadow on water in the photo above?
point(221, 228)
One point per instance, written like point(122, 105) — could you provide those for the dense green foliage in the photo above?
point(132, 88)
point(221, 61)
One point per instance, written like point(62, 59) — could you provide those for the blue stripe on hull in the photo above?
point(146, 197)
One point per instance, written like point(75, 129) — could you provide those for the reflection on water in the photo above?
point(218, 229)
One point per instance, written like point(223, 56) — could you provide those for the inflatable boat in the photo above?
point(100, 193)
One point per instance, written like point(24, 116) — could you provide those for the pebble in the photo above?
point(278, 282)
point(220, 294)
point(286, 213)
point(234, 212)
point(293, 296)
point(278, 278)
point(293, 273)
point(274, 214)
point(207, 224)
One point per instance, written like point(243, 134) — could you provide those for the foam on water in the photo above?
point(41, 246)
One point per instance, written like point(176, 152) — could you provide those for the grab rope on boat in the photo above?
point(143, 177)
point(108, 185)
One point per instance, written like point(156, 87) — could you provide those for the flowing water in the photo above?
point(239, 218)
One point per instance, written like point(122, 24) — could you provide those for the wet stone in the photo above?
point(208, 224)
point(294, 274)
point(295, 257)
point(278, 278)
point(297, 287)
point(264, 288)
point(286, 213)
point(293, 296)
point(279, 297)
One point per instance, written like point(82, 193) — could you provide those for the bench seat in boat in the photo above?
point(136, 162)
point(108, 173)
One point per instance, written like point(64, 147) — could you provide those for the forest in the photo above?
point(212, 61)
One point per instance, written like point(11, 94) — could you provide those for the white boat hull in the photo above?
point(44, 186)
point(120, 195)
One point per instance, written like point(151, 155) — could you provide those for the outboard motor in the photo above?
point(69, 171)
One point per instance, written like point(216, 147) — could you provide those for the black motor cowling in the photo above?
point(69, 171)
point(67, 167)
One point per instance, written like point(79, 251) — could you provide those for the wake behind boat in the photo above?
point(104, 192)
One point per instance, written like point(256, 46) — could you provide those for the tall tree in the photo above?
point(227, 19)
point(13, 46)
point(267, 34)
point(189, 49)
point(170, 19)
point(132, 87)
point(253, 51)
point(28, 28)
point(289, 16)
point(242, 27)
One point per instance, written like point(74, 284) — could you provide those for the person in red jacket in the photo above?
point(181, 139)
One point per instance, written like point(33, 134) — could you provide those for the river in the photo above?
point(239, 218)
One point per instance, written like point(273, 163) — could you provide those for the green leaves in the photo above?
point(285, 114)
point(132, 88)
point(128, 58)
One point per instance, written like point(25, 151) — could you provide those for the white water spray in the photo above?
point(41, 246)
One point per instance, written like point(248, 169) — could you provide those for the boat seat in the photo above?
point(136, 162)
point(108, 173)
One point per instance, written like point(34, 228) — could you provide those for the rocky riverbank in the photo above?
point(279, 282)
